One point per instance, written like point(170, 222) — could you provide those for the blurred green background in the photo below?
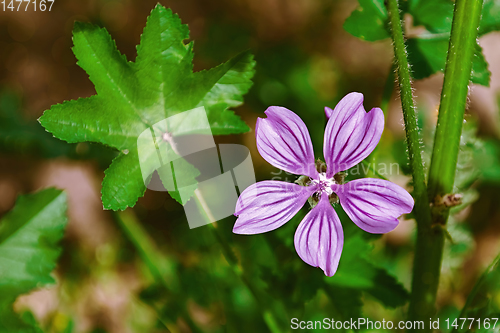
point(144, 270)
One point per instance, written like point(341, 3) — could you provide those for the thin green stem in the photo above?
point(143, 243)
point(430, 238)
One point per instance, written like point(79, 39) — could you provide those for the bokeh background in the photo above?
point(305, 61)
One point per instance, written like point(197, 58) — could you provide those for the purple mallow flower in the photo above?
point(283, 140)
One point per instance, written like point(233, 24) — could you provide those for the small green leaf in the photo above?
point(134, 96)
point(428, 56)
point(28, 251)
point(368, 21)
point(480, 73)
point(490, 17)
point(436, 15)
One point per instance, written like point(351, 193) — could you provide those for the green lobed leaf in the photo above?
point(133, 96)
point(28, 251)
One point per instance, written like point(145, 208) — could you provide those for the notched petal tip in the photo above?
point(319, 238)
point(271, 110)
point(374, 205)
point(354, 99)
point(283, 140)
point(351, 133)
point(378, 115)
point(275, 111)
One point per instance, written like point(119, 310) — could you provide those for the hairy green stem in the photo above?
point(431, 238)
point(422, 210)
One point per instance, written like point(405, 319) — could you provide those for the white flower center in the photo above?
point(324, 183)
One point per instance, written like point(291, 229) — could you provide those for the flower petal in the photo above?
point(319, 238)
point(374, 205)
point(267, 205)
point(283, 140)
point(351, 134)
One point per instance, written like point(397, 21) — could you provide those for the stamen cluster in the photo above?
point(323, 184)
